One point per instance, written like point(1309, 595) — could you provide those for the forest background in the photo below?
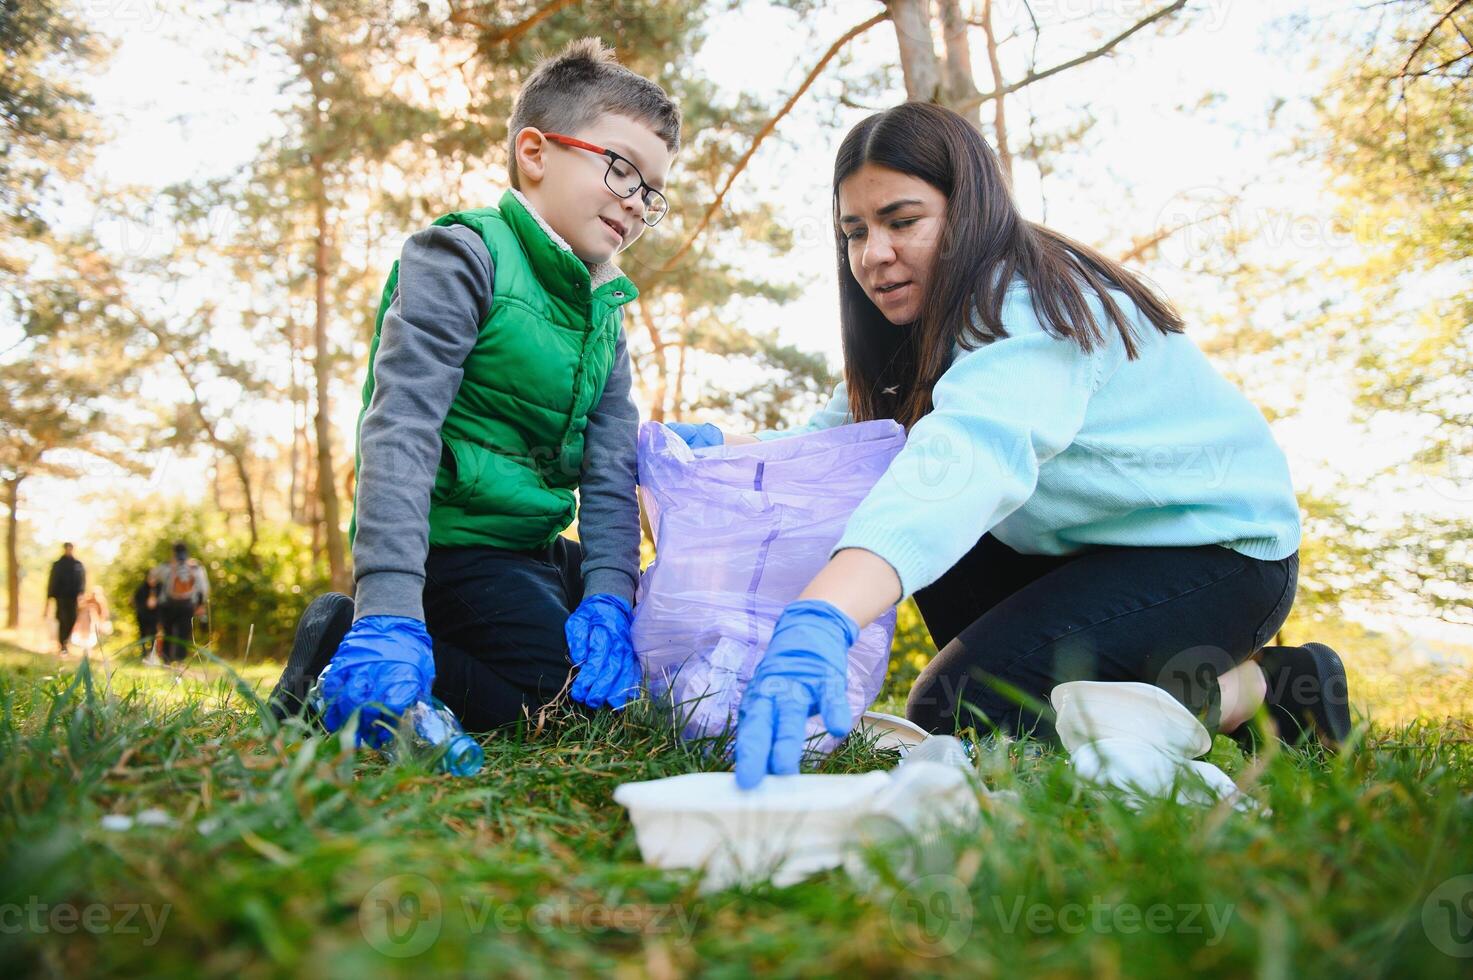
point(201, 201)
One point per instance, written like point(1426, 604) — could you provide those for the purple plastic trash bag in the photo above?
point(740, 531)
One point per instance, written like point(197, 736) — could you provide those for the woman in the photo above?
point(1081, 495)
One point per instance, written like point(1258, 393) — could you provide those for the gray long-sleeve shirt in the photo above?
point(444, 293)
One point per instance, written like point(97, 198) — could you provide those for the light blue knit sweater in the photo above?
point(1054, 450)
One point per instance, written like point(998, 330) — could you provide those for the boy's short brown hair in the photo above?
point(581, 83)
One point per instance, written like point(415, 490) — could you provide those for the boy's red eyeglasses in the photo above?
point(622, 178)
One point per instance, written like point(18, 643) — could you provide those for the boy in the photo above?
point(498, 383)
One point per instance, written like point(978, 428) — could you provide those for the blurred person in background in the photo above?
point(184, 588)
point(68, 579)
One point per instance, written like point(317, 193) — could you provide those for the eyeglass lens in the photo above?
point(625, 180)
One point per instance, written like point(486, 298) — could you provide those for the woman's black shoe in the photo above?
point(1307, 693)
point(319, 633)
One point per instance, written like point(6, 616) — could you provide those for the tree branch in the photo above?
point(999, 113)
point(491, 34)
point(1427, 37)
point(765, 132)
point(1438, 68)
point(1099, 52)
point(1142, 246)
point(235, 449)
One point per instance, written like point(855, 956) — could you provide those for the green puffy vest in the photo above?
point(512, 443)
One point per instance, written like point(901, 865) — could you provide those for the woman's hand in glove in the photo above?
point(804, 672)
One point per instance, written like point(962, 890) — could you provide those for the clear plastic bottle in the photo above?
point(433, 733)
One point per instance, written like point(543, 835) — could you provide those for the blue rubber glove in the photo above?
point(804, 672)
point(599, 643)
point(383, 665)
point(698, 436)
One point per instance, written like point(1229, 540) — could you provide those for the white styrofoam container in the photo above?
point(787, 827)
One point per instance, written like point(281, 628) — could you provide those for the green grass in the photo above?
point(287, 853)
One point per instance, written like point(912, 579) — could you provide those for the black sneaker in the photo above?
point(319, 633)
point(1307, 693)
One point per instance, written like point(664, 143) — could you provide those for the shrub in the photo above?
point(255, 595)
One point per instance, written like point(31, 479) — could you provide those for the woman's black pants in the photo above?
point(1008, 627)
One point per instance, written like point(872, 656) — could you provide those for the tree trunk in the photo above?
point(918, 61)
point(12, 552)
point(215, 494)
point(238, 459)
point(999, 117)
point(637, 369)
point(959, 86)
point(662, 365)
point(322, 366)
point(350, 485)
point(327, 492)
point(312, 502)
point(678, 407)
point(294, 513)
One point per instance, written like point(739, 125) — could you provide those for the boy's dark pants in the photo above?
point(496, 618)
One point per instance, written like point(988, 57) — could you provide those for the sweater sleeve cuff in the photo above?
point(610, 581)
point(390, 594)
point(901, 554)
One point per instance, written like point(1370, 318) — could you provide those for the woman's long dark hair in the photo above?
point(984, 245)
